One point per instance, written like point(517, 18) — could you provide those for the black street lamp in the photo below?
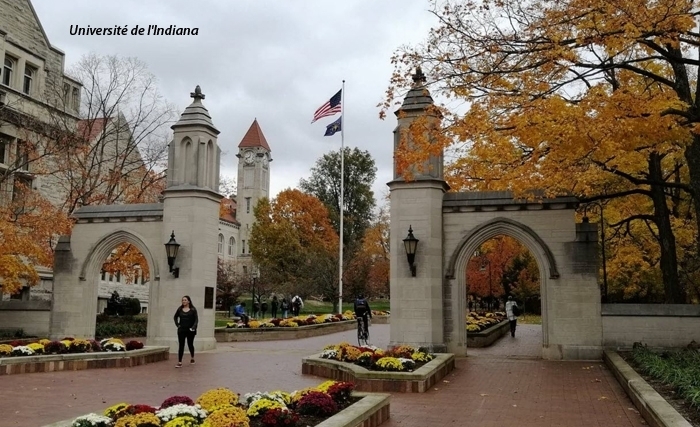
point(602, 244)
point(171, 249)
point(411, 244)
point(485, 261)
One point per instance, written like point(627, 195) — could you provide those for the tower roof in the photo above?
point(418, 98)
point(254, 137)
point(196, 113)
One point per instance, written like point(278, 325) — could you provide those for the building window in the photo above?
point(247, 205)
point(21, 185)
point(144, 310)
point(231, 246)
point(220, 248)
point(29, 73)
point(22, 161)
point(7, 69)
point(76, 98)
point(245, 269)
point(104, 273)
point(243, 246)
point(4, 148)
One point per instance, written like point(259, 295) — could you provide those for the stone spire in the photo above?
point(418, 98)
point(196, 114)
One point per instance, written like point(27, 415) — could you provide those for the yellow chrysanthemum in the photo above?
point(260, 406)
point(231, 416)
point(138, 420)
point(217, 398)
point(113, 410)
point(5, 349)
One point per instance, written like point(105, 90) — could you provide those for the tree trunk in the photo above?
point(667, 240)
point(692, 156)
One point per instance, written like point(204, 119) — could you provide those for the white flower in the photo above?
point(94, 420)
point(113, 346)
point(26, 351)
point(329, 354)
point(181, 409)
point(250, 398)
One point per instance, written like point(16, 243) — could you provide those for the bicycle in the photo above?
point(362, 335)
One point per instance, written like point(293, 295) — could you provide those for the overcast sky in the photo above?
point(271, 59)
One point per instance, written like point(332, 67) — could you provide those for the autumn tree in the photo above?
point(488, 274)
point(579, 97)
point(28, 229)
point(291, 237)
point(368, 271)
point(228, 284)
point(122, 137)
point(358, 197)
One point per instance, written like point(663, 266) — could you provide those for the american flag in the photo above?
point(329, 108)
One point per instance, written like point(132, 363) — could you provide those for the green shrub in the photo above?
point(120, 326)
point(132, 306)
point(679, 369)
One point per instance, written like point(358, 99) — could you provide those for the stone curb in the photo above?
point(488, 336)
point(418, 381)
point(371, 411)
point(224, 334)
point(654, 408)
point(79, 361)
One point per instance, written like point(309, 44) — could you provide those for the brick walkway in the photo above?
point(489, 388)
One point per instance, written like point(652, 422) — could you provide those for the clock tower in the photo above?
point(253, 182)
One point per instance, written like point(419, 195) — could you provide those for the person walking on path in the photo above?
point(263, 309)
point(297, 305)
point(285, 308)
point(186, 320)
point(274, 305)
point(512, 311)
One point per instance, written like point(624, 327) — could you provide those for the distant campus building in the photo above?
point(38, 100)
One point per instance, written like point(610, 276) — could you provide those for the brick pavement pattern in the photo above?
point(488, 389)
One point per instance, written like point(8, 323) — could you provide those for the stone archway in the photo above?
point(455, 272)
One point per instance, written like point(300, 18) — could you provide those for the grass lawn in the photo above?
point(530, 319)
point(310, 307)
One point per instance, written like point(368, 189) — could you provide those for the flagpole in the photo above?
point(342, 190)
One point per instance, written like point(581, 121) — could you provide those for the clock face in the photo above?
point(248, 157)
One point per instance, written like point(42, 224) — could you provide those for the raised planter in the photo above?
point(418, 381)
point(273, 334)
point(80, 361)
point(488, 336)
point(371, 411)
point(655, 409)
point(381, 320)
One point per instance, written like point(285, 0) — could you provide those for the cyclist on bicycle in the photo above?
point(362, 310)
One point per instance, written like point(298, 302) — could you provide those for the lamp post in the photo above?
point(485, 261)
point(602, 244)
point(171, 250)
point(411, 244)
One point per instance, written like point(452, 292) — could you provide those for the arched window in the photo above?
point(220, 249)
point(231, 246)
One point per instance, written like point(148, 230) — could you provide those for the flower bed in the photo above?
point(480, 321)
point(21, 348)
point(222, 407)
point(398, 359)
point(293, 322)
point(394, 374)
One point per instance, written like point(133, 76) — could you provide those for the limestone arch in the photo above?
point(455, 272)
point(99, 252)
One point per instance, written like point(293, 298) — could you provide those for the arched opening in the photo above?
point(123, 294)
point(231, 247)
point(503, 285)
point(188, 162)
point(457, 268)
point(121, 261)
point(209, 167)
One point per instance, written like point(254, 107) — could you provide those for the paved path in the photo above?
point(489, 388)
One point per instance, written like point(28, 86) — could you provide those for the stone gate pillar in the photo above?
point(191, 212)
point(417, 313)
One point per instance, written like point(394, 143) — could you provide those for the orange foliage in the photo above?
point(485, 272)
point(28, 228)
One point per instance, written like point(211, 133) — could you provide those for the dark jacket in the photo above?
point(361, 307)
point(187, 320)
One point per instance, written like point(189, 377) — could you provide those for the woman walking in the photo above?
point(186, 320)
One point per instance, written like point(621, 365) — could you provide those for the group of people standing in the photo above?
point(277, 306)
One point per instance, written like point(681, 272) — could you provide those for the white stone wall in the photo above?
point(663, 326)
point(417, 301)
point(30, 316)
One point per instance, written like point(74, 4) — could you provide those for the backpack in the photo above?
point(361, 305)
point(516, 310)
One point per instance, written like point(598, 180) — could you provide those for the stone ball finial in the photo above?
point(419, 77)
point(197, 94)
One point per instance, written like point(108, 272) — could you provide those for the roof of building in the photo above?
point(254, 137)
point(89, 129)
point(230, 207)
point(418, 98)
